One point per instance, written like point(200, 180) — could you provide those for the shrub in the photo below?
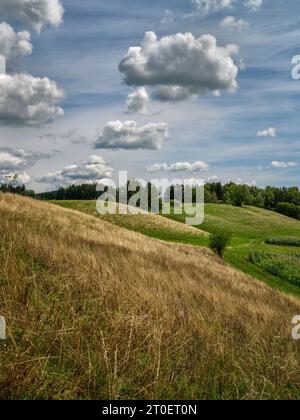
point(218, 242)
point(283, 242)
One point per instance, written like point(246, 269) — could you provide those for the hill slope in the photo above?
point(95, 311)
point(149, 224)
point(249, 227)
point(248, 221)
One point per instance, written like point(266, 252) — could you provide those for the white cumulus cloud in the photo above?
point(13, 162)
point(269, 132)
point(283, 165)
point(23, 178)
point(137, 102)
point(131, 136)
point(179, 167)
point(18, 178)
point(33, 13)
point(91, 171)
point(14, 44)
point(26, 100)
point(16, 159)
point(10, 162)
point(181, 65)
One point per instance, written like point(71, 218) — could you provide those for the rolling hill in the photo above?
point(148, 224)
point(97, 311)
point(248, 222)
point(249, 228)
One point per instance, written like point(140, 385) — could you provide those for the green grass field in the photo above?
point(249, 228)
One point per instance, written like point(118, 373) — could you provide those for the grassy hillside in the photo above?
point(249, 222)
point(148, 224)
point(248, 226)
point(96, 311)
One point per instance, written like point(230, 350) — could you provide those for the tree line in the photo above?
point(282, 200)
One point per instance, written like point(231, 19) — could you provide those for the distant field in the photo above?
point(247, 222)
point(250, 227)
point(95, 311)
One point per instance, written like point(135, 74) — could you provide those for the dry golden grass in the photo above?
point(96, 311)
point(142, 223)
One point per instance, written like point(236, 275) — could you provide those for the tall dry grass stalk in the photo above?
point(95, 311)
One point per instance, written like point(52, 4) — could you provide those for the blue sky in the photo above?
point(82, 56)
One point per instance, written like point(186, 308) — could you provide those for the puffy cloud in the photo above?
point(14, 44)
point(181, 65)
point(137, 102)
point(33, 13)
point(131, 136)
point(13, 162)
point(179, 167)
point(9, 162)
point(26, 100)
point(254, 4)
point(19, 178)
point(92, 170)
point(206, 7)
point(283, 165)
point(231, 22)
point(269, 132)
point(23, 178)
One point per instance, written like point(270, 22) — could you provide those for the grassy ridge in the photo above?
point(97, 311)
point(249, 227)
point(247, 222)
point(155, 226)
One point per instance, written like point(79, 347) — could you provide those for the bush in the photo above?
point(283, 242)
point(218, 243)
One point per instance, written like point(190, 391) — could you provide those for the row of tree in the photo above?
point(262, 197)
point(283, 200)
point(17, 189)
